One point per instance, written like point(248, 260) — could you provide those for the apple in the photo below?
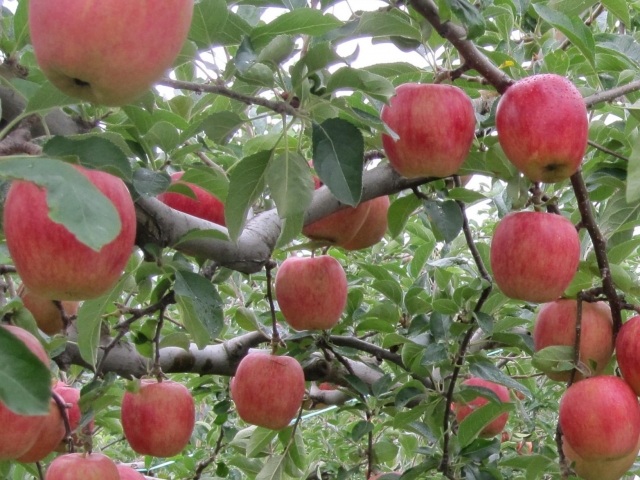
point(600, 418)
point(268, 389)
point(71, 396)
point(374, 226)
point(326, 386)
point(505, 437)
point(524, 448)
point(534, 255)
point(82, 466)
point(128, 473)
point(603, 469)
point(311, 292)
point(50, 436)
point(463, 410)
point(159, 418)
point(20, 432)
point(73, 270)
point(207, 206)
point(543, 127)
point(45, 312)
point(435, 125)
point(627, 347)
point(108, 52)
point(556, 326)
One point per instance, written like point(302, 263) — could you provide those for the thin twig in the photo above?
point(275, 334)
point(205, 463)
point(576, 345)
point(607, 150)
point(63, 408)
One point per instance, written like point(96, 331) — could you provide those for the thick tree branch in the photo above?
point(609, 95)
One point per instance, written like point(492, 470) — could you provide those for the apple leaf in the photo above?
point(273, 469)
point(150, 183)
point(488, 371)
point(473, 424)
point(290, 183)
point(399, 212)
point(445, 217)
point(72, 199)
point(46, 98)
point(338, 158)
point(348, 78)
point(302, 21)
point(633, 173)
point(260, 438)
point(25, 382)
point(470, 17)
point(221, 126)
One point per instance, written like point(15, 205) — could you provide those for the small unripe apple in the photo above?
point(627, 348)
point(71, 397)
point(51, 434)
point(534, 255)
point(45, 312)
point(435, 124)
point(463, 410)
point(128, 473)
point(556, 326)
point(543, 127)
point(159, 418)
point(73, 270)
point(374, 226)
point(82, 466)
point(268, 389)
point(109, 51)
point(600, 418)
point(206, 205)
point(600, 469)
point(311, 292)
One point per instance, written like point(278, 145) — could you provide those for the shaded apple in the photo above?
point(128, 473)
point(374, 226)
point(82, 466)
point(206, 205)
point(627, 348)
point(73, 270)
point(435, 124)
point(524, 448)
point(603, 469)
point(159, 418)
point(534, 255)
point(71, 396)
point(556, 326)
point(49, 437)
point(463, 410)
point(543, 127)
point(45, 312)
point(311, 292)
point(268, 390)
point(108, 52)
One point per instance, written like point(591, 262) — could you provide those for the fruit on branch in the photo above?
point(534, 255)
point(374, 226)
point(556, 326)
point(462, 410)
point(326, 386)
point(45, 312)
point(627, 347)
point(128, 473)
point(600, 418)
point(108, 52)
point(159, 418)
point(311, 292)
point(206, 205)
point(20, 432)
point(82, 466)
point(600, 469)
point(71, 396)
point(56, 265)
point(435, 125)
point(524, 448)
point(268, 389)
point(50, 436)
point(542, 127)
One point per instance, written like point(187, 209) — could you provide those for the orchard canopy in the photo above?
point(430, 350)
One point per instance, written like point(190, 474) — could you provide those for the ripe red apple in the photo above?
point(51, 434)
point(268, 389)
point(524, 448)
point(600, 470)
point(128, 473)
point(311, 292)
point(463, 410)
point(556, 326)
point(71, 396)
point(159, 419)
point(534, 255)
point(45, 312)
point(107, 52)
point(73, 270)
point(543, 127)
point(82, 466)
point(600, 418)
point(435, 125)
point(327, 386)
point(207, 205)
point(374, 226)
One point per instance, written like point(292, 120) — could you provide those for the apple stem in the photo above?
point(275, 335)
point(63, 408)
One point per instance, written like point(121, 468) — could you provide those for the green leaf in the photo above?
point(399, 212)
point(206, 301)
point(290, 183)
point(360, 429)
point(278, 50)
point(395, 22)
point(260, 438)
point(338, 158)
point(25, 382)
point(488, 371)
point(620, 8)
point(72, 199)
point(390, 289)
point(273, 469)
point(473, 424)
point(191, 321)
point(445, 217)
point(246, 183)
point(348, 78)
point(303, 21)
point(46, 98)
point(633, 173)
point(150, 183)
point(213, 24)
point(554, 359)
point(21, 26)
point(211, 179)
point(470, 17)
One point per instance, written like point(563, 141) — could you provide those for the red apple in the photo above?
point(158, 420)
point(206, 206)
point(268, 389)
point(128, 473)
point(524, 448)
point(463, 410)
point(556, 326)
point(374, 226)
point(107, 52)
point(600, 470)
point(311, 292)
point(435, 125)
point(534, 255)
point(82, 466)
point(542, 127)
point(20, 432)
point(600, 418)
point(627, 347)
point(73, 270)
point(71, 396)
point(327, 386)
point(50, 436)
point(45, 312)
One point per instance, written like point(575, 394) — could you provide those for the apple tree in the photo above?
point(420, 264)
